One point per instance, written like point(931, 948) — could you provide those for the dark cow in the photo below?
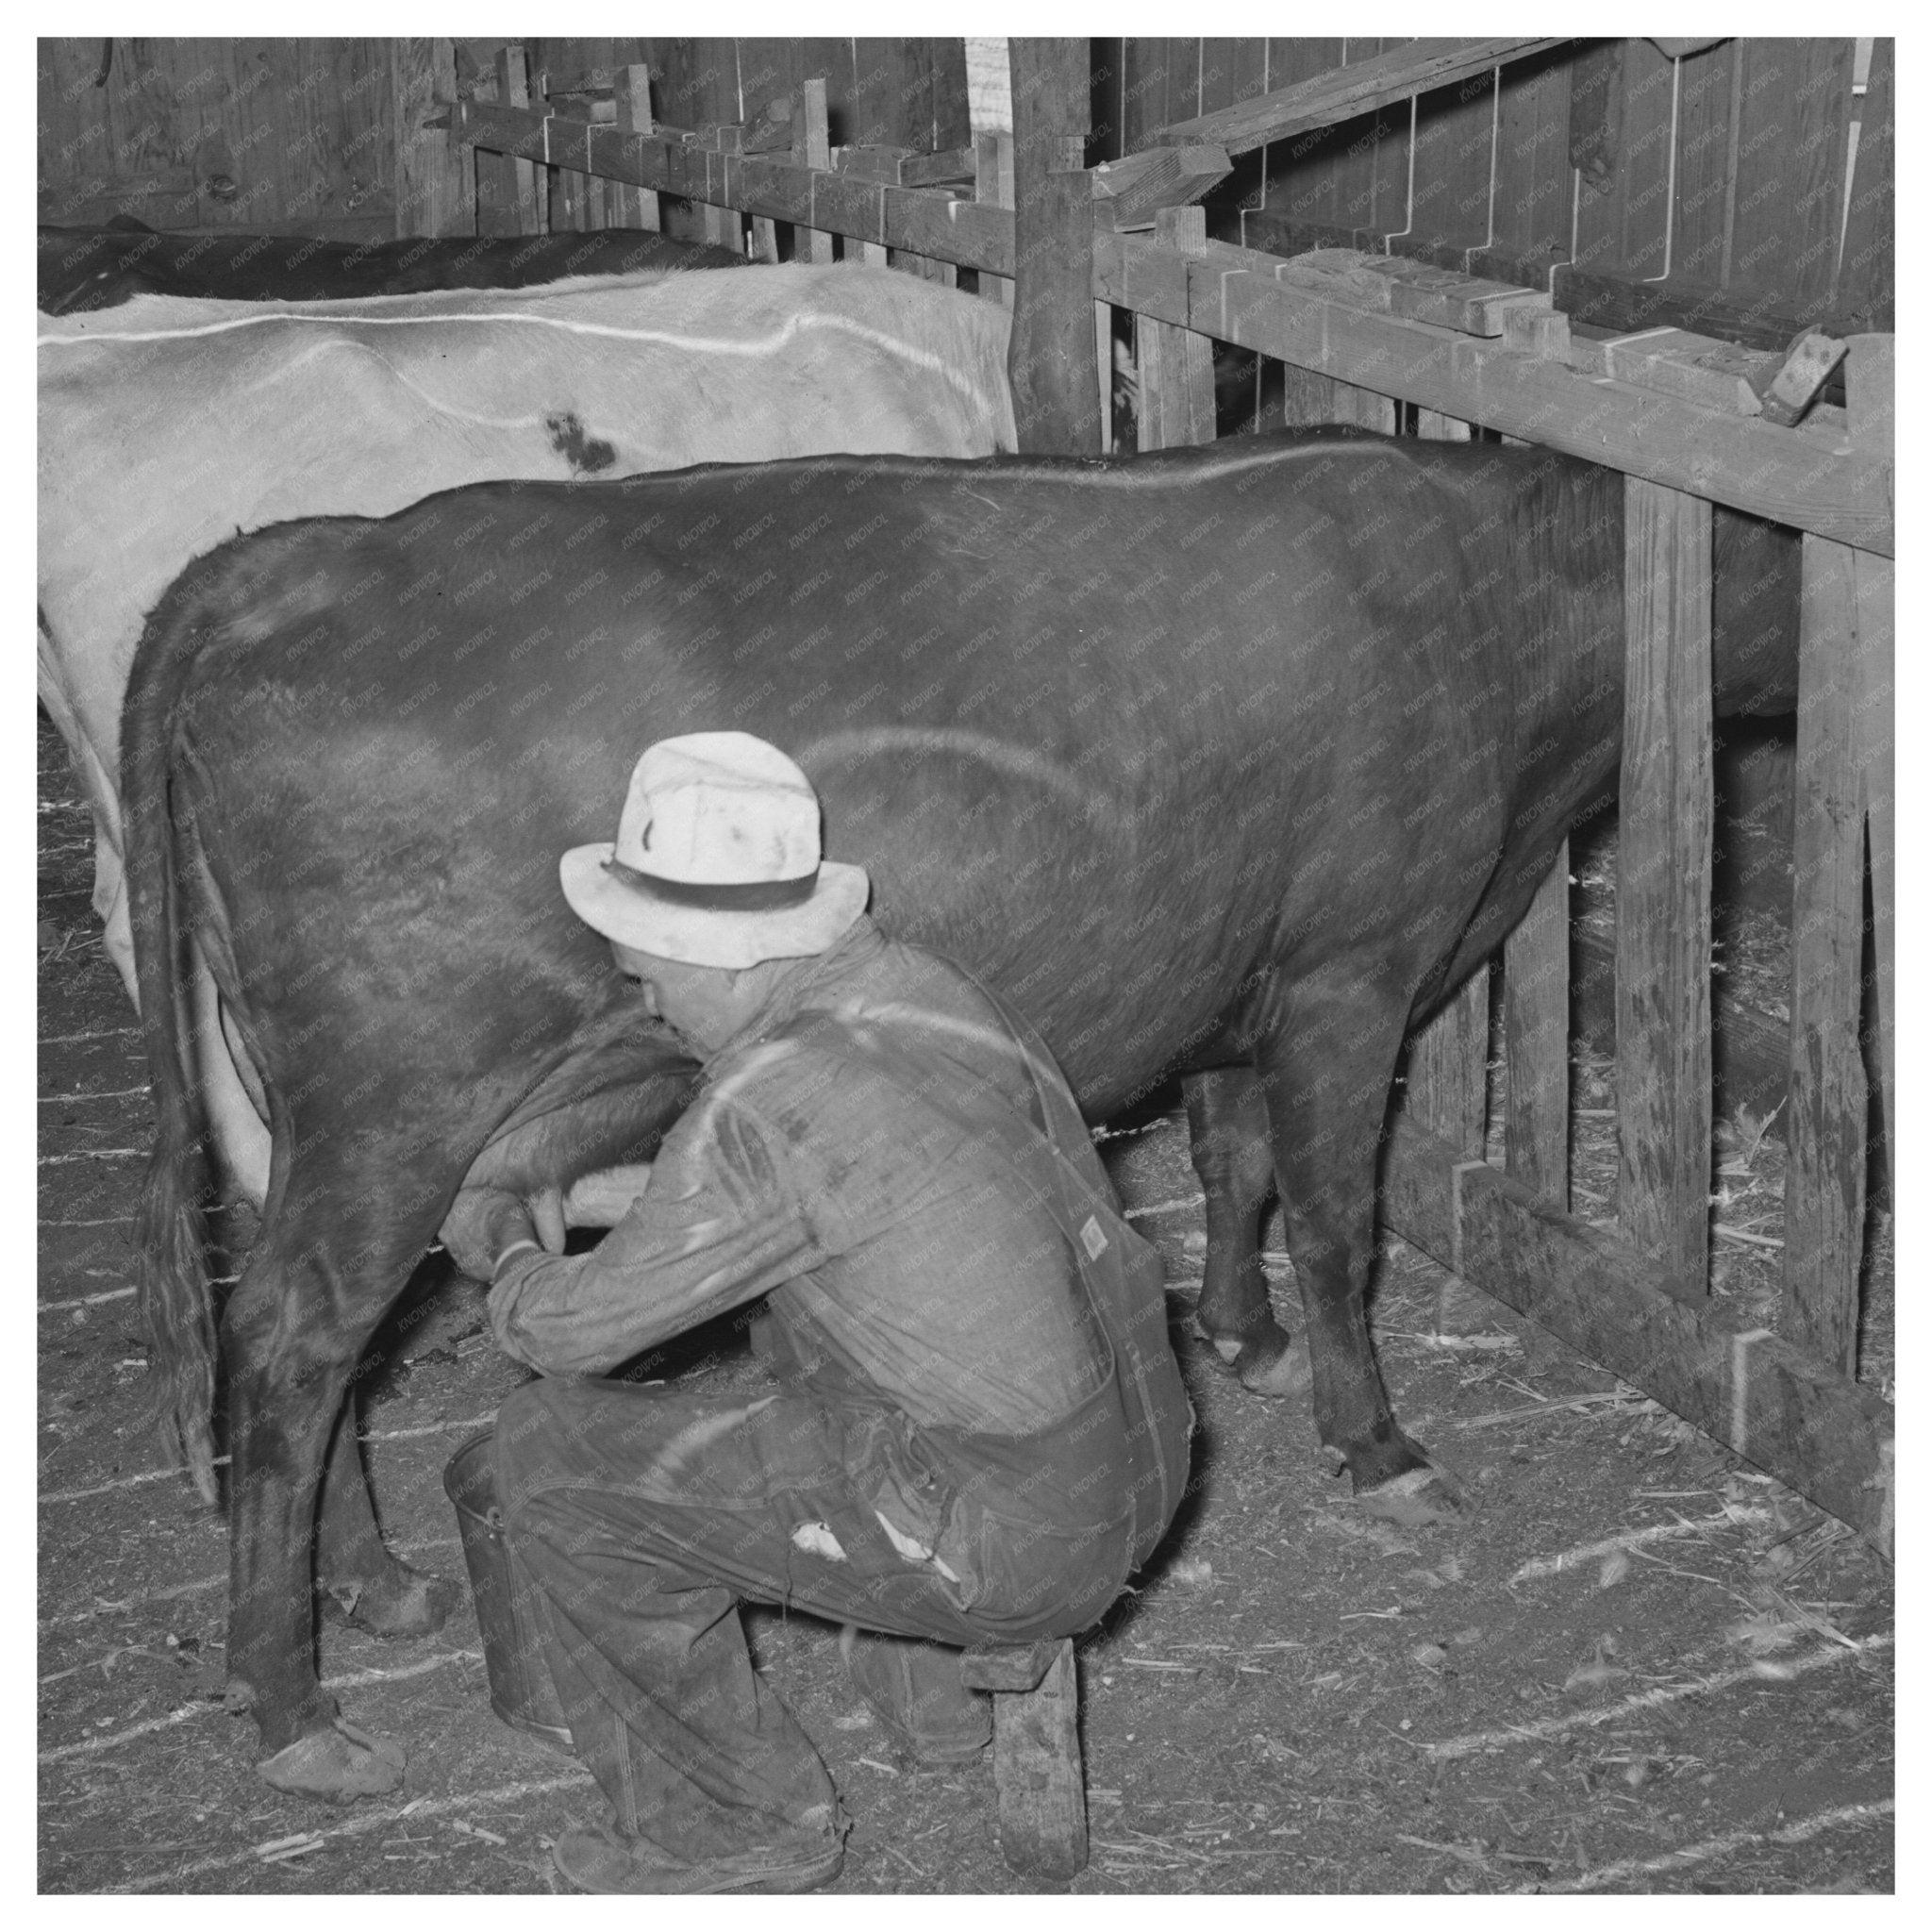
point(1234, 758)
point(83, 269)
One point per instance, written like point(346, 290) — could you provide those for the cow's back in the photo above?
point(1110, 762)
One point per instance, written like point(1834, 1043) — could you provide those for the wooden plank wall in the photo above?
point(1727, 166)
point(280, 136)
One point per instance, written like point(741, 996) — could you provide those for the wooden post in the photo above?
point(993, 182)
point(1448, 1060)
point(1824, 1175)
point(436, 187)
point(811, 147)
point(531, 210)
point(1050, 357)
point(1663, 887)
point(636, 208)
point(1869, 389)
point(1175, 365)
point(1536, 1041)
point(1309, 398)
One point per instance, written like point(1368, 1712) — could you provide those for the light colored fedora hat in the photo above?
point(717, 858)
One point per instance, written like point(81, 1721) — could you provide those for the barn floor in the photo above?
point(1637, 1666)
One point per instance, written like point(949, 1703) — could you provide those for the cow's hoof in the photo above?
point(342, 1763)
point(1275, 1366)
point(408, 1605)
point(1414, 1498)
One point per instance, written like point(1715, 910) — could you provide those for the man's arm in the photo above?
point(722, 1221)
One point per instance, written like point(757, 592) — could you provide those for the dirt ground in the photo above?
point(1637, 1666)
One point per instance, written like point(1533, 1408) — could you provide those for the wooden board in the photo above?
point(1037, 1768)
point(1343, 93)
point(1050, 358)
point(1175, 365)
point(1792, 135)
point(1531, 204)
point(1455, 137)
point(1536, 1041)
point(1865, 272)
point(436, 183)
point(1665, 815)
point(1624, 204)
point(1817, 483)
point(1825, 1177)
point(1792, 1417)
point(1710, 89)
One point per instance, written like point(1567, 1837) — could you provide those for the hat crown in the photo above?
point(719, 809)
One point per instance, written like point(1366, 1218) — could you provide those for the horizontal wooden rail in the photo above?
point(1343, 92)
point(1797, 1420)
point(1813, 481)
point(925, 221)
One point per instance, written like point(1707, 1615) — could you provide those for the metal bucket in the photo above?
point(521, 1692)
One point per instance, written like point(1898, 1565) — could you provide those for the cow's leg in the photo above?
point(1326, 1069)
point(292, 1335)
point(1227, 1122)
point(374, 1588)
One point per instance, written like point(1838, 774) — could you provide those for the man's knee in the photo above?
point(535, 1428)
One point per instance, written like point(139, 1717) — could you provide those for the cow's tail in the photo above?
point(177, 1295)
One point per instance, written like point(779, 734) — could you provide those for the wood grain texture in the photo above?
point(1623, 213)
point(1454, 135)
point(1665, 819)
point(1825, 1177)
point(1529, 209)
point(1792, 131)
point(1866, 268)
point(1536, 1041)
point(1037, 1769)
point(1709, 86)
point(1794, 1417)
point(435, 186)
point(1175, 365)
point(1050, 358)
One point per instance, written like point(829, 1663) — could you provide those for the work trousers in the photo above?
point(642, 1515)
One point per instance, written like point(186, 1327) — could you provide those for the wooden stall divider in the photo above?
point(1050, 360)
point(993, 182)
point(1448, 1058)
point(632, 207)
point(811, 147)
point(435, 186)
point(1175, 366)
point(1665, 822)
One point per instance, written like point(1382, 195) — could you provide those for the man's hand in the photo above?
point(482, 1222)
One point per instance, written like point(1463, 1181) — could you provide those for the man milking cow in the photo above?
point(977, 1430)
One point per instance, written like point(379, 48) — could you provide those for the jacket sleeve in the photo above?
point(723, 1219)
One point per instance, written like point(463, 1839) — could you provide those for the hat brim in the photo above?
point(702, 936)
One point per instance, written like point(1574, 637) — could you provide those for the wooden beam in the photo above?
point(1816, 482)
point(1134, 187)
point(1175, 367)
point(1536, 1041)
point(1794, 1417)
point(1824, 1173)
point(637, 207)
point(923, 220)
point(1343, 92)
point(811, 148)
point(994, 188)
point(1050, 360)
point(435, 186)
point(1664, 817)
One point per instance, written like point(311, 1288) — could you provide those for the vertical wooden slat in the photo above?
point(1623, 204)
point(1389, 211)
point(1865, 269)
point(1454, 129)
point(766, 70)
point(1663, 887)
point(1176, 366)
point(1869, 397)
point(1704, 145)
point(811, 147)
point(1309, 398)
point(1050, 362)
point(952, 117)
point(637, 207)
point(1448, 1059)
point(436, 191)
point(1536, 1041)
point(995, 184)
point(1793, 135)
point(831, 60)
point(1144, 98)
point(1824, 1175)
point(1529, 211)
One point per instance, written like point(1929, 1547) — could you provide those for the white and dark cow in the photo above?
point(167, 425)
